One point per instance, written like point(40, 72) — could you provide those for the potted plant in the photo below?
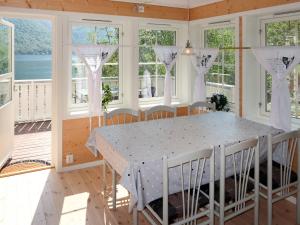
point(221, 102)
point(107, 96)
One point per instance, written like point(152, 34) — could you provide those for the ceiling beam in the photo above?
point(101, 7)
point(227, 7)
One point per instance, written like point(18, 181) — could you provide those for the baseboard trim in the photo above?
point(82, 166)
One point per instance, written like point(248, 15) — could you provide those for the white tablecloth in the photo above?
point(135, 150)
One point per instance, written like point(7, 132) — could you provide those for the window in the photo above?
point(221, 76)
point(283, 32)
point(94, 34)
point(151, 70)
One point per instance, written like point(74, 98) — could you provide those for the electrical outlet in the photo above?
point(69, 158)
point(140, 8)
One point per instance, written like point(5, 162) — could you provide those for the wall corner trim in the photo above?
point(82, 166)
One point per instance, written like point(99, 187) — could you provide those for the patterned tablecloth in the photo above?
point(135, 150)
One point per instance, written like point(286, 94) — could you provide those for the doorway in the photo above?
point(32, 93)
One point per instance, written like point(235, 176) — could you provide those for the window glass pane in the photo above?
point(284, 33)
point(221, 76)
point(5, 49)
point(90, 34)
point(149, 63)
point(5, 91)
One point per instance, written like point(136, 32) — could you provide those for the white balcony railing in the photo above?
point(32, 98)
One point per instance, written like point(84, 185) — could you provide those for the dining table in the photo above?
point(135, 150)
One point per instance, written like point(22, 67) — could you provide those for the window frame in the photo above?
point(158, 100)
point(262, 26)
point(234, 24)
point(73, 108)
point(10, 74)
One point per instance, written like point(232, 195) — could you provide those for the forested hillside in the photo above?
point(32, 37)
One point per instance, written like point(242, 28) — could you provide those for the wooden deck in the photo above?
point(32, 146)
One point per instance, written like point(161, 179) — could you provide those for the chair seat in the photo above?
point(263, 174)
point(175, 205)
point(229, 189)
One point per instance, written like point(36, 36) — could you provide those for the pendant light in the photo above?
point(188, 50)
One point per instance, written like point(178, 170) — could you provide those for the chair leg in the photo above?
point(298, 186)
point(256, 200)
point(269, 211)
point(104, 177)
point(114, 189)
point(135, 217)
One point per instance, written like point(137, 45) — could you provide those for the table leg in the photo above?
point(114, 189)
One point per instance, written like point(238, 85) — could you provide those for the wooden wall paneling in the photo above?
point(101, 7)
point(182, 111)
point(233, 6)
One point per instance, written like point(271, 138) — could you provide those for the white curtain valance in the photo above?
point(279, 62)
point(202, 61)
point(167, 55)
point(94, 57)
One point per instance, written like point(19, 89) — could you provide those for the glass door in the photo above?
point(6, 84)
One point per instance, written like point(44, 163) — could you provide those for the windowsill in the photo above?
point(83, 112)
point(264, 119)
point(145, 106)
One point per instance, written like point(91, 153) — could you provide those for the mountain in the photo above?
point(32, 37)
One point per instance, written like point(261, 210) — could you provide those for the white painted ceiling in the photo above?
point(173, 3)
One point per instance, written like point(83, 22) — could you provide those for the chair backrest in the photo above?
point(240, 158)
point(198, 107)
point(286, 145)
point(160, 112)
point(121, 116)
point(191, 167)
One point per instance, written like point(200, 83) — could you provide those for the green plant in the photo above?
point(107, 96)
point(221, 102)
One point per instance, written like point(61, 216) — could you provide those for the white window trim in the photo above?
point(82, 109)
point(145, 102)
point(263, 21)
point(232, 23)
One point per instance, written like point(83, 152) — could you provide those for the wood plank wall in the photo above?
point(233, 6)
point(75, 135)
point(101, 7)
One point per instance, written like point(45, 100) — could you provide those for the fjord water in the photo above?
point(33, 67)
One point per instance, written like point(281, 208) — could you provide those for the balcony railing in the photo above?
point(32, 98)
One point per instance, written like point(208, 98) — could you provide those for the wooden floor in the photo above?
point(32, 146)
point(32, 127)
point(76, 198)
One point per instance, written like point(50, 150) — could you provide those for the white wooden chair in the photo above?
point(160, 112)
point(277, 179)
point(117, 116)
point(189, 210)
point(201, 107)
point(120, 116)
point(238, 193)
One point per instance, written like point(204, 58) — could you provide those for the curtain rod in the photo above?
point(136, 46)
point(229, 48)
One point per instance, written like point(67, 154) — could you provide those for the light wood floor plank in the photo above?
point(76, 198)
